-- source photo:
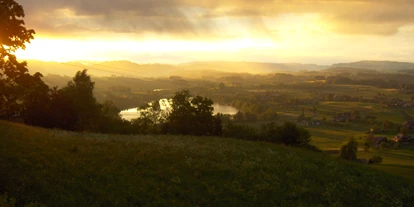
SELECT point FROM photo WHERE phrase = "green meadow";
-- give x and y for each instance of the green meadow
(330, 137)
(60, 168)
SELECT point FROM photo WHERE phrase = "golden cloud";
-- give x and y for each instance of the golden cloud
(211, 18)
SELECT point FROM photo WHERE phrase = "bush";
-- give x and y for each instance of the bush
(349, 150)
(375, 160)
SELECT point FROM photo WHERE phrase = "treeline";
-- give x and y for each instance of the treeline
(74, 108)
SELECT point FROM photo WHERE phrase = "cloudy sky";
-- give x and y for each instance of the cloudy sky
(176, 31)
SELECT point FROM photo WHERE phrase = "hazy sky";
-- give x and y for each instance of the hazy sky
(175, 31)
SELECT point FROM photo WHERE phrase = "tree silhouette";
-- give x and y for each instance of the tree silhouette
(16, 84)
(80, 92)
(192, 115)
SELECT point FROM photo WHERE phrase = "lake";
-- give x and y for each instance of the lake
(133, 113)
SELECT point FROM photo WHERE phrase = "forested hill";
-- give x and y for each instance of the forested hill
(60, 168)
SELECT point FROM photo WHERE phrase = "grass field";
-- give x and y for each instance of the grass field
(59, 168)
(331, 137)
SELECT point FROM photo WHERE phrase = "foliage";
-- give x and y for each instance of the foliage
(287, 134)
(292, 134)
(240, 131)
(375, 160)
(349, 150)
(150, 119)
(110, 120)
(18, 89)
(60, 168)
(191, 115)
(270, 132)
(80, 92)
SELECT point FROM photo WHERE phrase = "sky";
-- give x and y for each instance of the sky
(179, 31)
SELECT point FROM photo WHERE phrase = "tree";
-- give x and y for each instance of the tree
(291, 134)
(191, 115)
(16, 84)
(150, 119)
(270, 132)
(80, 93)
(37, 103)
(239, 116)
(222, 86)
(110, 120)
(218, 124)
(349, 150)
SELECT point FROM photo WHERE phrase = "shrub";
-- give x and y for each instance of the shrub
(375, 160)
(349, 150)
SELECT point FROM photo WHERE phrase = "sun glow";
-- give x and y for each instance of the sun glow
(63, 50)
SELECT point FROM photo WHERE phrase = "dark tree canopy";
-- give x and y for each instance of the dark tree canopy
(16, 84)
(13, 33)
(192, 115)
(80, 93)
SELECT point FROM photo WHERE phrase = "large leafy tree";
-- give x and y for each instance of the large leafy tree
(80, 93)
(16, 84)
(192, 115)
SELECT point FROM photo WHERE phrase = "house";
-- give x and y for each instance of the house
(409, 125)
(342, 117)
(404, 139)
(379, 140)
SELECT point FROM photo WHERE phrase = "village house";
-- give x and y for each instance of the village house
(409, 125)
(404, 139)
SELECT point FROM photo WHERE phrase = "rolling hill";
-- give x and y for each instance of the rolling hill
(205, 69)
(59, 168)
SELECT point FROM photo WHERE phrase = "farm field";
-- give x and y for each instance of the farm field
(330, 137)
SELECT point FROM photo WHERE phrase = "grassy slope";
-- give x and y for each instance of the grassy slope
(60, 168)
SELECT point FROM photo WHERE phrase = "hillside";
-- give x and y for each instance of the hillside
(193, 69)
(386, 66)
(59, 168)
(200, 69)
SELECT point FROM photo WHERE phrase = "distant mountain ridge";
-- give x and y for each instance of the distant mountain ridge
(201, 69)
(377, 65)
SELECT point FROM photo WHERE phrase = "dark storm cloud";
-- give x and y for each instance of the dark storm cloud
(196, 18)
